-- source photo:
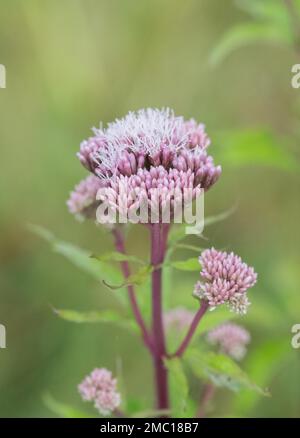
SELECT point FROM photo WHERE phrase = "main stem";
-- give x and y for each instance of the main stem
(119, 243)
(158, 247)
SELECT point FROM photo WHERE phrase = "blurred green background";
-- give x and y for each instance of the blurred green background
(72, 63)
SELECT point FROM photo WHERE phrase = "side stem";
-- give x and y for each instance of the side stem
(119, 244)
(197, 318)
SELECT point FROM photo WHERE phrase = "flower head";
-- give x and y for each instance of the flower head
(178, 318)
(148, 137)
(151, 149)
(101, 388)
(231, 338)
(225, 278)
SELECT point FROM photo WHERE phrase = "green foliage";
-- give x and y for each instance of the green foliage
(115, 256)
(151, 413)
(105, 316)
(81, 258)
(263, 363)
(259, 147)
(271, 24)
(191, 264)
(178, 232)
(137, 278)
(61, 409)
(178, 386)
(221, 370)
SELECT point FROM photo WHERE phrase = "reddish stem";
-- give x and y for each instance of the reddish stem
(194, 324)
(158, 247)
(119, 244)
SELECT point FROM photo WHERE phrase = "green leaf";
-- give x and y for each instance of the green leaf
(274, 11)
(82, 259)
(248, 33)
(178, 384)
(221, 370)
(178, 232)
(211, 220)
(79, 257)
(41, 232)
(138, 278)
(195, 248)
(61, 409)
(115, 256)
(263, 364)
(107, 316)
(191, 264)
(257, 147)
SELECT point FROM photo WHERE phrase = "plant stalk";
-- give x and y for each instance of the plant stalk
(194, 324)
(158, 249)
(120, 246)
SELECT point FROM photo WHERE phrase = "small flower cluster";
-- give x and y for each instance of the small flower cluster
(231, 338)
(150, 149)
(178, 319)
(82, 202)
(101, 388)
(225, 278)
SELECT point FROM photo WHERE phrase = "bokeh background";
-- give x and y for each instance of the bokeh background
(72, 63)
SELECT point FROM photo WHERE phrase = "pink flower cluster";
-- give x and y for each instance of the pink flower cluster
(225, 279)
(101, 388)
(82, 202)
(155, 193)
(178, 319)
(148, 149)
(231, 338)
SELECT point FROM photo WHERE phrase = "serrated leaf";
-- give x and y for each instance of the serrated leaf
(63, 410)
(191, 264)
(107, 316)
(179, 385)
(221, 370)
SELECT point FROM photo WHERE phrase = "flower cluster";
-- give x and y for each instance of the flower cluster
(231, 338)
(101, 388)
(178, 319)
(82, 202)
(225, 279)
(151, 149)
